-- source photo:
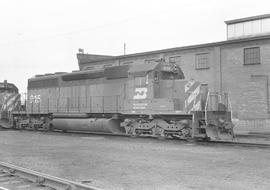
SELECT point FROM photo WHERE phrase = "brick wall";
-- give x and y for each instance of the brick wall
(248, 85)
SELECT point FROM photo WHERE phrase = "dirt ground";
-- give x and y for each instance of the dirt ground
(135, 163)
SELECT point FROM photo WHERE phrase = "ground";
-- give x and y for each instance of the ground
(137, 163)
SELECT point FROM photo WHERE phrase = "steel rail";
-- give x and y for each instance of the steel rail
(228, 143)
(255, 135)
(232, 143)
(43, 179)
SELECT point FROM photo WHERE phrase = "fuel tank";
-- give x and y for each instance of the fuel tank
(111, 126)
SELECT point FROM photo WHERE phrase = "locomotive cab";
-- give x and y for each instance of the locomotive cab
(151, 88)
(155, 104)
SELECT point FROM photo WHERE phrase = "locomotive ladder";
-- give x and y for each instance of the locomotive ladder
(14, 177)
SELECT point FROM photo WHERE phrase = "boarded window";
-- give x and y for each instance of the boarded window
(252, 56)
(202, 61)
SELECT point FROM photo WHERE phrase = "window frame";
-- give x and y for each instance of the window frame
(197, 61)
(258, 56)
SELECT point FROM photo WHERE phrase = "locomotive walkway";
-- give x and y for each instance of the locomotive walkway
(13, 177)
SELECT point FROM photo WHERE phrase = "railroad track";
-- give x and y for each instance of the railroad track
(226, 143)
(242, 144)
(254, 135)
(14, 177)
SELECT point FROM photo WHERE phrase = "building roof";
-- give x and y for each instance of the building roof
(247, 19)
(91, 57)
(220, 43)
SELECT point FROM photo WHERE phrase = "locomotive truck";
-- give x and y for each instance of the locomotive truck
(151, 99)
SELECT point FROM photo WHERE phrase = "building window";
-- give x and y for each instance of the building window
(252, 56)
(175, 59)
(202, 61)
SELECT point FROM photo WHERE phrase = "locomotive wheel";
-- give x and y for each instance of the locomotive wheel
(21, 126)
(16, 125)
(161, 133)
(30, 126)
(186, 132)
(46, 127)
(134, 133)
(154, 131)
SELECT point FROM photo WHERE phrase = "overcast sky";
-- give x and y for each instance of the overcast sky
(39, 37)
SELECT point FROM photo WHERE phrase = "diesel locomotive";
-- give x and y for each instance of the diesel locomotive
(9, 101)
(151, 99)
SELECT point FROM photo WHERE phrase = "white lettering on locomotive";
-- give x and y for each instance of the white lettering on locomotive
(140, 106)
(140, 93)
(35, 99)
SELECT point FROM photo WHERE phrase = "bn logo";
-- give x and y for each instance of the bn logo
(140, 93)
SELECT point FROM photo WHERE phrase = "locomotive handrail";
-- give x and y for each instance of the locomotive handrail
(74, 104)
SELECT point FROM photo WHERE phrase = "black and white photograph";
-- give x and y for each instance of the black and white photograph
(134, 95)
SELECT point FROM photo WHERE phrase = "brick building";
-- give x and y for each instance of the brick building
(240, 66)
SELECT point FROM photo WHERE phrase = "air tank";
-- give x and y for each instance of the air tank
(95, 125)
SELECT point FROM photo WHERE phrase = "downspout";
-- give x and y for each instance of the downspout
(220, 71)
